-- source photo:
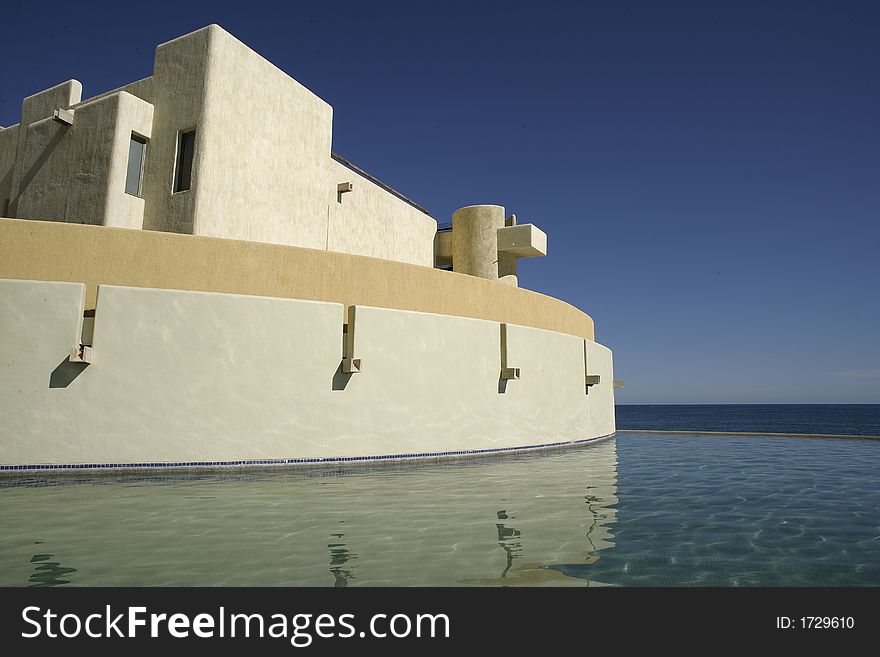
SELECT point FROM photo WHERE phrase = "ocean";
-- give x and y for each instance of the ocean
(847, 419)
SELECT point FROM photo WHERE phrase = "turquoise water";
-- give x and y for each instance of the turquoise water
(640, 509)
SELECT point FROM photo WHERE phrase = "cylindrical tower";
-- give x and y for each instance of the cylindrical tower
(475, 240)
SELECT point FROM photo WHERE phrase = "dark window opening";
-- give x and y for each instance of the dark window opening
(183, 169)
(134, 175)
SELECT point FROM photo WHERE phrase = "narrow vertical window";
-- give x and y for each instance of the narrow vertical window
(183, 167)
(134, 175)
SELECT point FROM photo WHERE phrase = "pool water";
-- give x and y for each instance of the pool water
(638, 509)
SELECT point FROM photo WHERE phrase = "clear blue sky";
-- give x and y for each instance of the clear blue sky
(708, 173)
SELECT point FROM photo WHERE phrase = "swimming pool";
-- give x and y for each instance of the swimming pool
(638, 509)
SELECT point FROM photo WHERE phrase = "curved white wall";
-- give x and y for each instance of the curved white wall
(181, 377)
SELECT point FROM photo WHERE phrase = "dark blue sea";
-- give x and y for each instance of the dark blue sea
(849, 419)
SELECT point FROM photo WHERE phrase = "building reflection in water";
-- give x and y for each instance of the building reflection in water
(517, 520)
(561, 517)
(507, 540)
(339, 557)
(47, 572)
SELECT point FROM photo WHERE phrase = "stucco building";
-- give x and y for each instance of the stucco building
(220, 142)
(190, 278)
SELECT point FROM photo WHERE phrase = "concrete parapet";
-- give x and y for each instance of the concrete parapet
(42, 250)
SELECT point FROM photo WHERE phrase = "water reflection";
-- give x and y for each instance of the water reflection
(48, 573)
(339, 556)
(498, 521)
(507, 540)
(559, 512)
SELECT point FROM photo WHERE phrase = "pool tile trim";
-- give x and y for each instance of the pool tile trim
(292, 461)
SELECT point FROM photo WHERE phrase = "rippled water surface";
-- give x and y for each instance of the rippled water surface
(636, 510)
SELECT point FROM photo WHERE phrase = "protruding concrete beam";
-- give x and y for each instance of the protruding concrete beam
(484, 243)
(617, 384)
(81, 354)
(350, 364)
(343, 188)
(590, 380)
(508, 373)
(63, 116)
(523, 241)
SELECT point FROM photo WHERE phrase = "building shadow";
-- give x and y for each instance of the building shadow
(41, 159)
(63, 375)
(340, 379)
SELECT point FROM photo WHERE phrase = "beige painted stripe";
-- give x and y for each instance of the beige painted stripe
(51, 251)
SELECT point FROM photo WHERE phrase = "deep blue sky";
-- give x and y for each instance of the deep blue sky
(708, 173)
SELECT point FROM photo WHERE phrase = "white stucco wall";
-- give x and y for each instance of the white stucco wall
(143, 89)
(599, 361)
(8, 146)
(178, 98)
(77, 173)
(196, 376)
(261, 169)
(62, 177)
(103, 131)
(42, 175)
(552, 383)
(265, 173)
(373, 222)
(35, 108)
(265, 148)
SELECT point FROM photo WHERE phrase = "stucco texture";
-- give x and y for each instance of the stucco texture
(98, 255)
(261, 168)
(182, 376)
(370, 221)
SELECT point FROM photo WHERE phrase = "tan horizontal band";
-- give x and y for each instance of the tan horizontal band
(94, 255)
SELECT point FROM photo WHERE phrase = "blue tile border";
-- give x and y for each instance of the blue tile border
(293, 461)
